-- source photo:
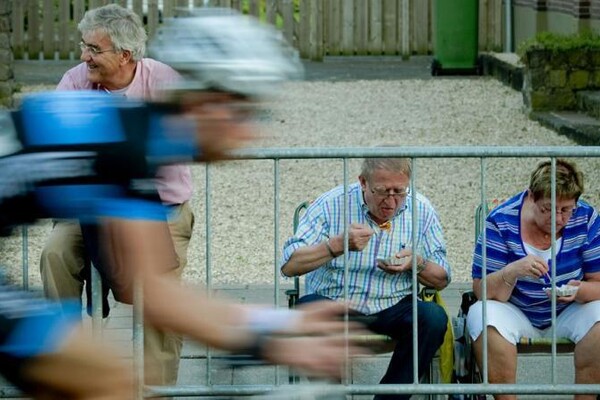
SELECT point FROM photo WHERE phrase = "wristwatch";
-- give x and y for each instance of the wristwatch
(421, 265)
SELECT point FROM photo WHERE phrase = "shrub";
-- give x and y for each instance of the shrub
(555, 42)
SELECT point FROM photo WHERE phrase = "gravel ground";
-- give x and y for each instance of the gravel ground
(451, 111)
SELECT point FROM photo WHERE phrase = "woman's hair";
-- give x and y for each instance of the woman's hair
(123, 26)
(369, 165)
(569, 180)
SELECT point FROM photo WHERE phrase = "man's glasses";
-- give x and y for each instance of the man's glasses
(547, 208)
(396, 193)
(93, 50)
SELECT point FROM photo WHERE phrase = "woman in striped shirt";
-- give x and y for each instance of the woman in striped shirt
(519, 274)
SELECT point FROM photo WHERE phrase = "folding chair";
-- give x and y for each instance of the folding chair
(294, 294)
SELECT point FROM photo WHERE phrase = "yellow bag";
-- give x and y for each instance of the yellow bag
(447, 347)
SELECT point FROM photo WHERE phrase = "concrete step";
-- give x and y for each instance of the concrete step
(580, 127)
(506, 67)
(367, 370)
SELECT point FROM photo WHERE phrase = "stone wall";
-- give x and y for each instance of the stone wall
(6, 55)
(553, 78)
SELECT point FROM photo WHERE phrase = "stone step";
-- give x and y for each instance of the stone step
(580, 127)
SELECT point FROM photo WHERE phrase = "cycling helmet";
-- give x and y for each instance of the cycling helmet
(221, 49)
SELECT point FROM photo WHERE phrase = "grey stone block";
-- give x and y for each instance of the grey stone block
(5, 24)
(263, 375)
(4, 40)
(193, 372)
(6, 72)
(536, 368)
(6, 57)
(369, 370)
(6, 88)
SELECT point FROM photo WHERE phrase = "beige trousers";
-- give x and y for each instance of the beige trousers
(61, 266)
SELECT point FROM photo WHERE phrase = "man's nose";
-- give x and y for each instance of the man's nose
(391, 200)
(85, 55)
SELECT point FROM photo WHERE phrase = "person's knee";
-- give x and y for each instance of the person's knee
(61, 269)
(434, 317)
(56, 259)
(50, 252)
(61, 255)
(580, 321)
(586, 350)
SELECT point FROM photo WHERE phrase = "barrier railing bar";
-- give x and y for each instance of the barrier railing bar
(208, 232)
(419, 152)
(347, 365)
(138, 338)
(484, 338)
(25, 256)
(415, 315)
(445, 388)
(276, 273)
(96, 302)
(553, 272)
(276, 256)
(252, 390)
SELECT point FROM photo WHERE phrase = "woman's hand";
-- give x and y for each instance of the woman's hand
(531, 266)
(566, 299)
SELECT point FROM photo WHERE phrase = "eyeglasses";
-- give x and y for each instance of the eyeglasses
(396, 193)
(93, 50)
(547, 208)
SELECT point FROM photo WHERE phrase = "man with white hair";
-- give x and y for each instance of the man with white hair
(113, 43)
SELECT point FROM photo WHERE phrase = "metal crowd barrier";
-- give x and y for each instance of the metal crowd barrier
(414, 153)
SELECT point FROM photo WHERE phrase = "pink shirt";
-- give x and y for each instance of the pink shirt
(174, 182)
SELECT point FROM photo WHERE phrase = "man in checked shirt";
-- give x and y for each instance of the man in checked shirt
(379, 259)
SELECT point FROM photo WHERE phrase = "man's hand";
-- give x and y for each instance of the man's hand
(358, 237)
(405, 258)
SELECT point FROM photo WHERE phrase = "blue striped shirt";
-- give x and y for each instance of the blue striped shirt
(370, 289)
(578, 254)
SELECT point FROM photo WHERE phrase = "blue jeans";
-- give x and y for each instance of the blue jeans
(396, 322)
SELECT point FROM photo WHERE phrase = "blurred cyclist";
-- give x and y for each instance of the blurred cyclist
(92, 156)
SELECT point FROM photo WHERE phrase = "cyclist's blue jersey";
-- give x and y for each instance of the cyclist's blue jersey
(81, 155)
(84, 155)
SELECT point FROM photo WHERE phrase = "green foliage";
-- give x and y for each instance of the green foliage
(585, 40)
(263, 11)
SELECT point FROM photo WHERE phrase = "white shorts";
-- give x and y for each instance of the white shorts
(573, 323)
